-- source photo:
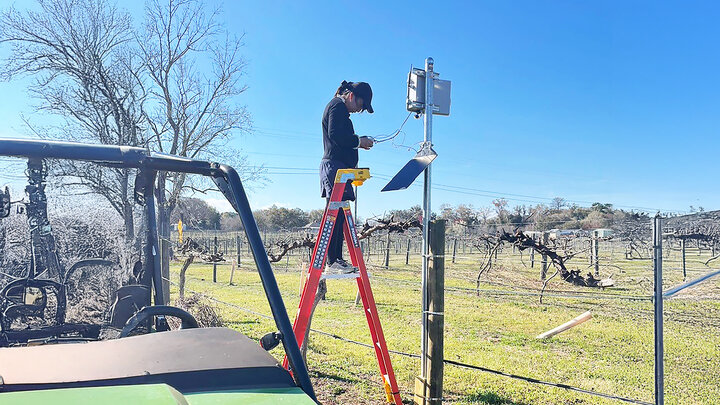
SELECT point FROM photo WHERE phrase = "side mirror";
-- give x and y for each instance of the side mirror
(5, 203)
(270, 340)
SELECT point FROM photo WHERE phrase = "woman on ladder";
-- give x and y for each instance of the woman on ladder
(341, 152)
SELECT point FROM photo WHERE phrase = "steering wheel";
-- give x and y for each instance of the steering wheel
(186, 319)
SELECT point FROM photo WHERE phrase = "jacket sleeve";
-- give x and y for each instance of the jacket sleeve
(340, 128)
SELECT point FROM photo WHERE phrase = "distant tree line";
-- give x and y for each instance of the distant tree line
(461, 218)
(558, 214)
(196, 213)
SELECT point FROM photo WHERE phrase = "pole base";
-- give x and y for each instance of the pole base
(422, 388)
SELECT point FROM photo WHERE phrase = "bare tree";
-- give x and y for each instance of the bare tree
(501, 205)
(195, 113)
(484, 214)
(80, 55)
(558, 203)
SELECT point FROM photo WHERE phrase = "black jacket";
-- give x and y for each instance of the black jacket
(339, 139)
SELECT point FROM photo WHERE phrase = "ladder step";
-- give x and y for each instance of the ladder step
(341, 276)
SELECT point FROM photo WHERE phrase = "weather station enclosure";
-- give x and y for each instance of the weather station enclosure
(416, 93)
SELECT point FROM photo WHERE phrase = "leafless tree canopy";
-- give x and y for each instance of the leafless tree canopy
(191, 110)
(171, 85)
(557, 253)
(80, 55)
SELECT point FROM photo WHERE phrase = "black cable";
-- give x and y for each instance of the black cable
(536, 381)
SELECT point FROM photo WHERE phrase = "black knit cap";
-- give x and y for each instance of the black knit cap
(362, 90)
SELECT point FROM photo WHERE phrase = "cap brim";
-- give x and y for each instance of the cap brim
(370, 109)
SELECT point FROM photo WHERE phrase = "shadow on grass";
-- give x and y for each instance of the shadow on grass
(334, 377)
(491, 398)
(242, 322)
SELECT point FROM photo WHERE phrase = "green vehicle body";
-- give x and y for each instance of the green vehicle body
(155, 394)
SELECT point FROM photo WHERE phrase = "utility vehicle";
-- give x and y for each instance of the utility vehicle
(47, 358)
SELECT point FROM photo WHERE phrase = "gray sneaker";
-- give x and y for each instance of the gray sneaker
(340, 266)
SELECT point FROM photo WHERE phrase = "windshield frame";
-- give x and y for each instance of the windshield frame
(228, 182)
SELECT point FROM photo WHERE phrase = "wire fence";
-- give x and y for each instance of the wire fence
(515, 276)
(417, 356)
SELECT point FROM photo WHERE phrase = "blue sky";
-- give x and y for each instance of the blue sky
(613, 101)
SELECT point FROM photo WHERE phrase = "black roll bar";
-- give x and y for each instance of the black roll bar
(230, 185)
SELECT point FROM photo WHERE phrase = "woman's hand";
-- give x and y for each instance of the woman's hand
(366, 142)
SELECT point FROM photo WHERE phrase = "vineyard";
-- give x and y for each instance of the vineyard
(496, 305)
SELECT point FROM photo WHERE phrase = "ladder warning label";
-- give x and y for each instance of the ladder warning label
(323, 243)
(353, 234)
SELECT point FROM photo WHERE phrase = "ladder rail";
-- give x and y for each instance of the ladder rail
(370, 308)
(333, 210)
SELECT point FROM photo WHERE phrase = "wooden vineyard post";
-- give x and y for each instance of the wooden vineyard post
(532, 255)
(232, 272)
(544, 262)
(215, 250)
(238, 247)
(407, 253)
(454, 249)
(430, 390)
(682, 248)
(387, 251)
(596, 254)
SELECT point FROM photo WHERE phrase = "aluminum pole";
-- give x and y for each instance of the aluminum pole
(658, 301)
(429, 85)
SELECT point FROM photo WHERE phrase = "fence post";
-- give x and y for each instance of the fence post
(532, 255)
(407, 253)
(238, 247)
(454, 249)
(430, 390)
(658, 301)
(544, 262)
(682, 248)
(596, 254)
(215, 250)
(387, 250)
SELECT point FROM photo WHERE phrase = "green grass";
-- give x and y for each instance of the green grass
(612, 353)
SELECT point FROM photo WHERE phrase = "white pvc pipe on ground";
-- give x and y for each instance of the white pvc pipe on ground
(567, 325)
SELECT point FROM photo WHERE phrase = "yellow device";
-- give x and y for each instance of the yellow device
(358, 176)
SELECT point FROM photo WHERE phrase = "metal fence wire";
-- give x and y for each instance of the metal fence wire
(637, 265)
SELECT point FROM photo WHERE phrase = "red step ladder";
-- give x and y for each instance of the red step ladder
(338, 207)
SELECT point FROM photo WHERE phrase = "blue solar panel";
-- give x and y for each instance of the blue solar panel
(405, 177)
